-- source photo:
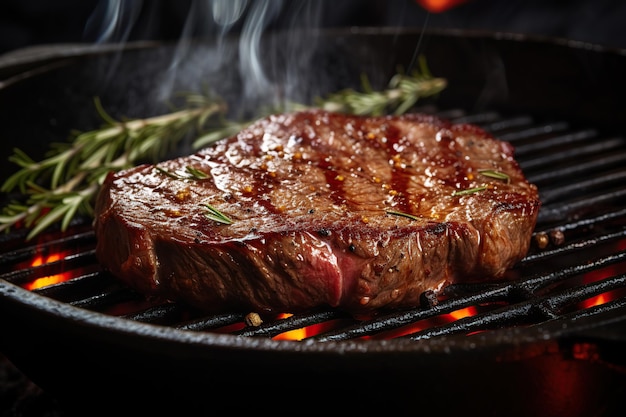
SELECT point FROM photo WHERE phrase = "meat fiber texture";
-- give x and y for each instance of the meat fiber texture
(357, 213)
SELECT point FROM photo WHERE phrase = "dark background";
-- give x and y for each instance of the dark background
(35, 22)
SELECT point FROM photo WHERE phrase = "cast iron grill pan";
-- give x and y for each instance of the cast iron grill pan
(554, 330)
(579, 172)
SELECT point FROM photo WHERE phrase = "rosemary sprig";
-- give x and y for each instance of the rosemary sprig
(468, 191)
(402, 92)
(65, 183)
(74, 171)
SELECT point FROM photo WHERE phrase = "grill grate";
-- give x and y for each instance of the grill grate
(580, 174)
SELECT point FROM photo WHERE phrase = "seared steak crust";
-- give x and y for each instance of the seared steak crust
(319, 204)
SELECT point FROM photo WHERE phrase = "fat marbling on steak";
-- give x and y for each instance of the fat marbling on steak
(358, 213)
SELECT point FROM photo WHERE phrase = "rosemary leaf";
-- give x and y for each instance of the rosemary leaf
(14, 214)
(468, 191)
(190, 173)
(402, 214)
(495, 174)
(196, 173)
(51, 217)
(168, 173)
(216, 215)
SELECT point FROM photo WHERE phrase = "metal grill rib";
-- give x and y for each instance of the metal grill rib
(526, 313)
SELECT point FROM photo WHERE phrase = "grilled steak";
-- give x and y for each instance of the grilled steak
(358, 213)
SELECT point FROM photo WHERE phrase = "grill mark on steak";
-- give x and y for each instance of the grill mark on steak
(312, 195)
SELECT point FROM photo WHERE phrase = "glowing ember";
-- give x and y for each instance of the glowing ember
(297, 334)
(309, 331)
(428, 323)
(438, 6)
(601, 298)
(40, 260)
(464, 312)
(304, 332)
(601, 274)
(585, 351)
(596, 301)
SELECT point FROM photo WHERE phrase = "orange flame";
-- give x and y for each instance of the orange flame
(438, 6)
(596, 301)
(600, 298)
(427, 323)
(297, 334)
(304, 332)
(47, 280)
(604, 274)
(464, 312)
